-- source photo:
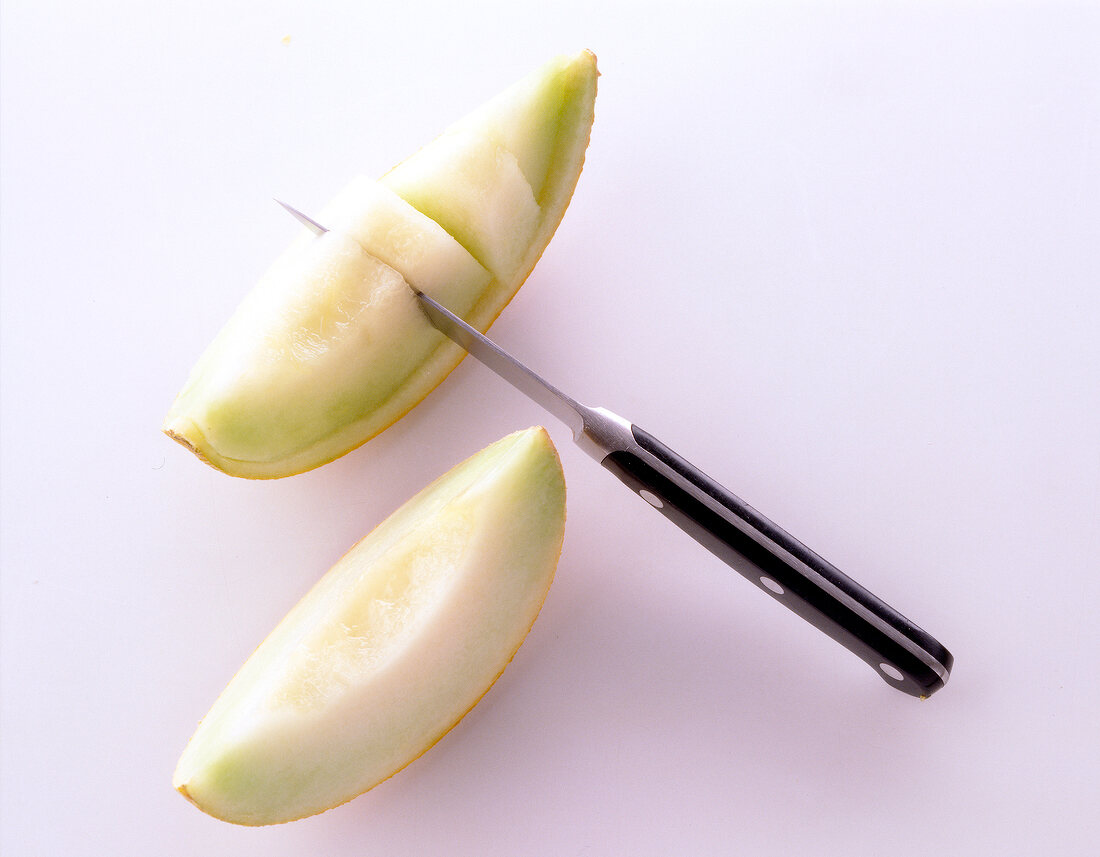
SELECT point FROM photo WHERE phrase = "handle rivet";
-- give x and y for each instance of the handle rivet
(772, 585)
(651, 498)
(891, 671)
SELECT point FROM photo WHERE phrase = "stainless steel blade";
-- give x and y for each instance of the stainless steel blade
(565, 408)
(307, 221)
(532, 385)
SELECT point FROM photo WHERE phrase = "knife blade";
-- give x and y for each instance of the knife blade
(900, 652)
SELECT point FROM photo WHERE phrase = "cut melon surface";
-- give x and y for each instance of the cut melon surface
(536, 118)
(392, 646)
(253, 398)
(473, 187)
(330, 348)
(320, 346)
(528, 144)
(316, 356)
(389, 228)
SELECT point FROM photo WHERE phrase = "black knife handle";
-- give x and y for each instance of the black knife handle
(905, 656)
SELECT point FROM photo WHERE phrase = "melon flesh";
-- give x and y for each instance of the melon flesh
(537, 130)
(326, 311)
(474, 188)
(326, 352)
(330, 345)
(392, 646)
(387, 227)
(533, 119)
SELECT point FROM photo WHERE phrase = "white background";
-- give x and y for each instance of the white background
(845, 258)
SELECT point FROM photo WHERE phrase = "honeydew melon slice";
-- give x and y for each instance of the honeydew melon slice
(387, 227)
(474, 188)
(328, 348)
(392, 646)
(500, 179)
(327, 352)
(537, 119)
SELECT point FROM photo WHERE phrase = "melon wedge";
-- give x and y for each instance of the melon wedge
(391, 647)
(500, 179)
(387, 227)
(323, 351)
(534, 117)
(326, 352)
(474, 188)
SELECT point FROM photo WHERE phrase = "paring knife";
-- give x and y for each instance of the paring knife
(906, 656)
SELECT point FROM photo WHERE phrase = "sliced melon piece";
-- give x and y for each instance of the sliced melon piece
(330, 346)
(391, 648)
(387, 227)
(535, 118)
(314, 358)
(474, 188)
(327, 352)
(499, 180)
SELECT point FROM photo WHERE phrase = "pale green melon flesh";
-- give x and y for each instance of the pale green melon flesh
(536, 130)
(330, 345)
(535, 116)
(387, 227)
(324, 341)
(391, 648)
(267, 403)
(474, 188)
(563, 141)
